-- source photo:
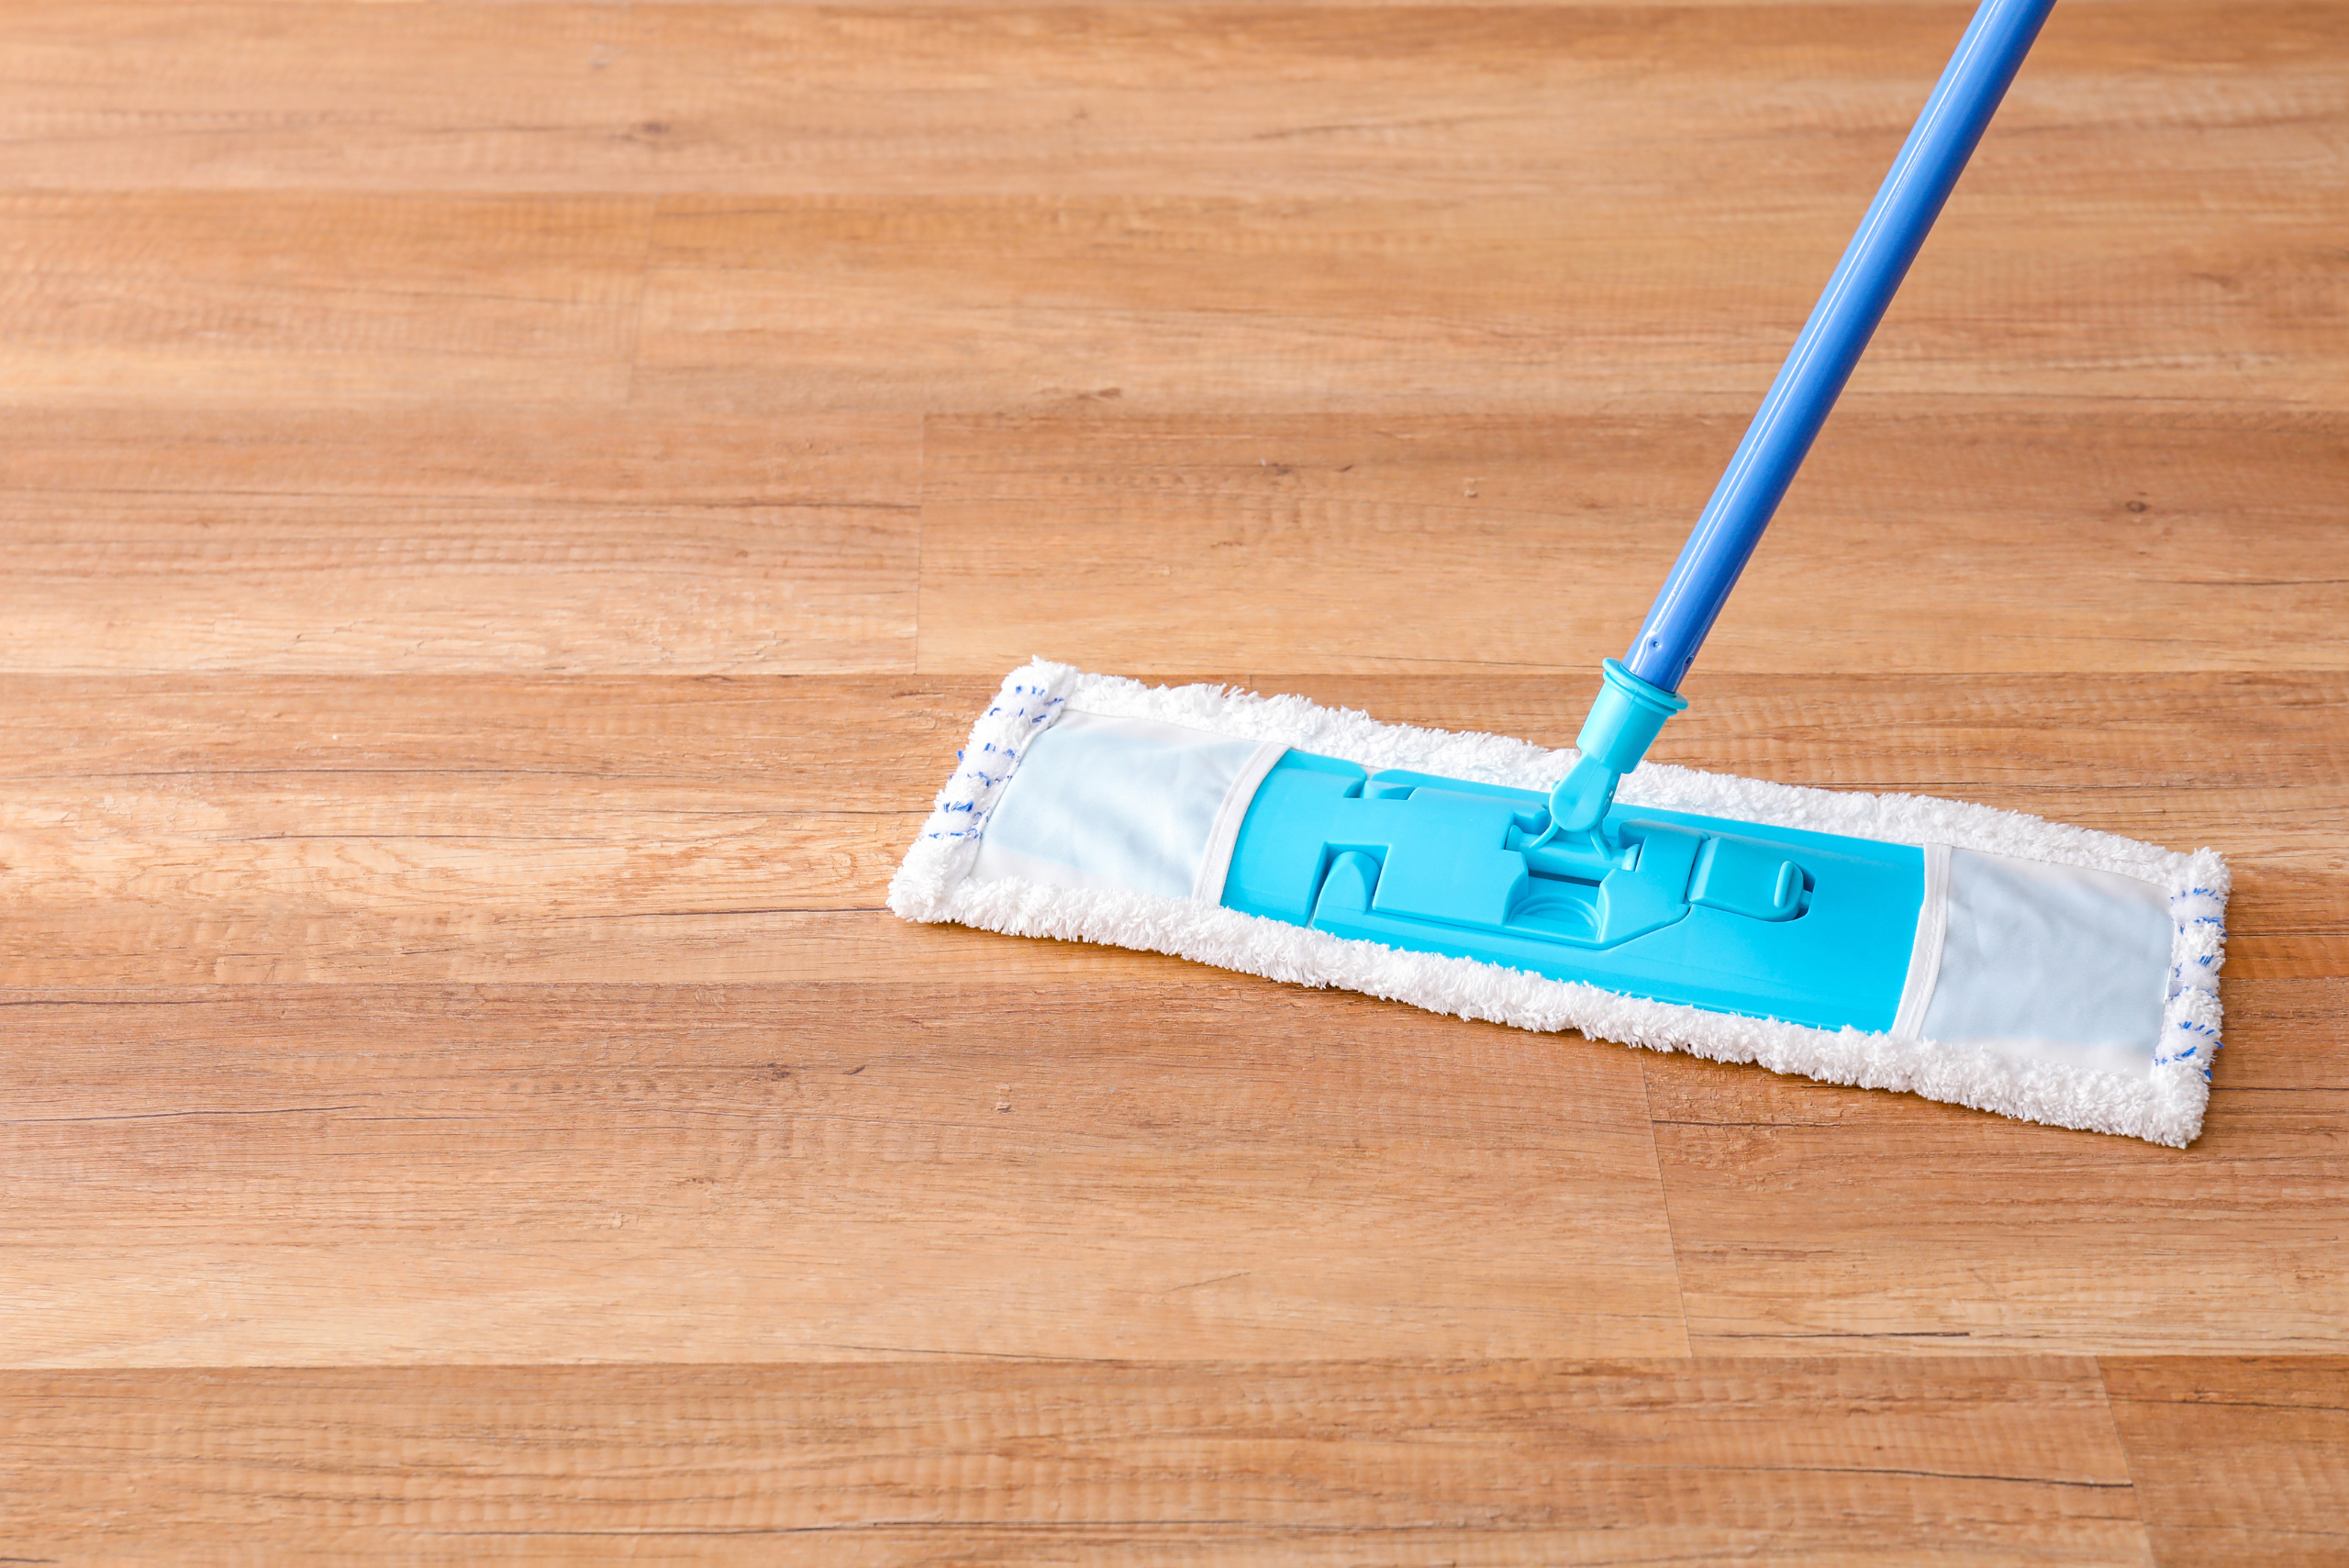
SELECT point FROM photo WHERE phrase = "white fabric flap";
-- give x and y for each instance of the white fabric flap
(2051, 962)
(1124, 803)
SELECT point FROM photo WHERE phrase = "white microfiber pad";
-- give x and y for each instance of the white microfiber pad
(2059, 975)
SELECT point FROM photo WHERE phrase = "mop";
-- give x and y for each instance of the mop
(1966, 954)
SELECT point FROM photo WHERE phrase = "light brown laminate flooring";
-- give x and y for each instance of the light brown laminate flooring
(509, 511)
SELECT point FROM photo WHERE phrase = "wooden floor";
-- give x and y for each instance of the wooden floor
(509, 509)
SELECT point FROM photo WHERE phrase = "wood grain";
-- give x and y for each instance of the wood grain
(572, 451)
(1799, 1231)
(1958, 1462)
(2234, 100)
(201, 297)
(415, 540)
(1333, 544)
(345, 1176)
(2240, 1461)
(193, 830)
(424, 539)
(1413, 306)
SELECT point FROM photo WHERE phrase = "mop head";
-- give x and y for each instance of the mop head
(2056, 974)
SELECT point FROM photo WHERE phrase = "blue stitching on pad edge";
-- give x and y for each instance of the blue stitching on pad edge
(2191, 1052)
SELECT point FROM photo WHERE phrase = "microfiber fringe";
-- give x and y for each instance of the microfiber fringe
(2166, 1107)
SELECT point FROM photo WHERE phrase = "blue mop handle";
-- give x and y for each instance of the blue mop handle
(1638, 693)
(1842, 322)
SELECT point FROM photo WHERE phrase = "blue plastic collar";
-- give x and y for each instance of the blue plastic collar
(1622, 724)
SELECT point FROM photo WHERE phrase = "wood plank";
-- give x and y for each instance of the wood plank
(327, 1175)
(186, 829)
(571, 450)
(192, 829)
(2129, 100)
(439, 538)
(2287, 955)
(195, 829)
(1808, 1218)
(1322, 543)
(2241, 1463)
(857, 742)
(1421, 306)
(195, 297)
(1976, 1461)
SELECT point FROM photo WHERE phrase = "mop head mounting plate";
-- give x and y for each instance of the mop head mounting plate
(1963, 954)
(1731, 917)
